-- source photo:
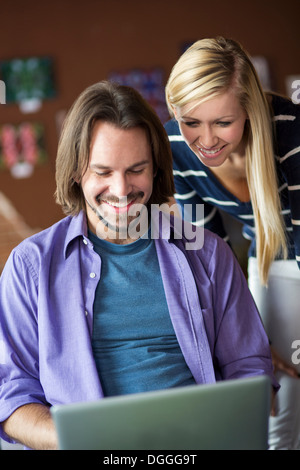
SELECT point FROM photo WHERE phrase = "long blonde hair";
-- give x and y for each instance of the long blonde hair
(207, 69)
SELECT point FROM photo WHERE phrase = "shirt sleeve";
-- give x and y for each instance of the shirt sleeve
(288, 157)
(19, 363)
(290, 164)
(241, 346)
(294, 199)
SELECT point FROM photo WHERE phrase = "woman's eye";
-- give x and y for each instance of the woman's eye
(224, 123)
(191, 124)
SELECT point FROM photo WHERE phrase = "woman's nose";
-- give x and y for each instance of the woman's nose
(207, 139)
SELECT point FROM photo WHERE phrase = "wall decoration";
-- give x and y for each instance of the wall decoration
(28, 81)
(149, 83)
(21, 148)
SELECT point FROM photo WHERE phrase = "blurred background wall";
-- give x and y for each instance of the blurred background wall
(88, 40)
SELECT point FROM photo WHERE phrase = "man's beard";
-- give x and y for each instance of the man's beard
(120, 224)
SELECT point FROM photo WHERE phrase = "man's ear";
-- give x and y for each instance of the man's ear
(76, 179)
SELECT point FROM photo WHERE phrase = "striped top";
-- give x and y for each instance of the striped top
(196, 185)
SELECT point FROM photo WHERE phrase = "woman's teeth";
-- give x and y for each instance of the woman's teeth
(209, 152)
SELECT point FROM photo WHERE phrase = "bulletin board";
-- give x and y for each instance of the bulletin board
(28, 81)
(149, 83)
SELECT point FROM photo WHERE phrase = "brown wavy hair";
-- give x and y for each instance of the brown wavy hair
(125, 108)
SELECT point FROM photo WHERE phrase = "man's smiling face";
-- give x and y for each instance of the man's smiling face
(119, 175)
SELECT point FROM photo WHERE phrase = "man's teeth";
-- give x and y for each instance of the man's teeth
(117, 204)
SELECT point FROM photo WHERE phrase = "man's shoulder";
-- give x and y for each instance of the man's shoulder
(61, 226)
(196, 240)
(44, 241)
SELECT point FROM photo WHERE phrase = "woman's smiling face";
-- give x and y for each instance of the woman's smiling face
(214, 129)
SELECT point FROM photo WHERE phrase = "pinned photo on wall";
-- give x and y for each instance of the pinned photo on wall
(149, 83)
(22, 148)
(29, 81)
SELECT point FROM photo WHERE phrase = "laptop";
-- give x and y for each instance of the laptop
(230, 414)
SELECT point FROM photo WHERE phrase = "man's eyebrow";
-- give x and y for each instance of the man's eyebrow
(98, 166)
(141, 163)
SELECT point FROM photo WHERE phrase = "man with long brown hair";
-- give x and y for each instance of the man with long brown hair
(118, 297)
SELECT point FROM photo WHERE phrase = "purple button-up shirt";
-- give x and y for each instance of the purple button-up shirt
(47, 291)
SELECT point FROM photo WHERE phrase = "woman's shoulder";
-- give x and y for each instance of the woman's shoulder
(286, 131)
(172, 127)
(283, 106)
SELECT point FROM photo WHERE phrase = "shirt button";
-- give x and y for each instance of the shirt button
(86, 313)
(85, 241)
(92, 275)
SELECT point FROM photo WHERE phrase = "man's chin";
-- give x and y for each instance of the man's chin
(122, 229)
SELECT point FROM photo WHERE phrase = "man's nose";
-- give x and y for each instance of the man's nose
(120, 186)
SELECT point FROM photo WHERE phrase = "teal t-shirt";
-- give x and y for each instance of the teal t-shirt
(134, 342)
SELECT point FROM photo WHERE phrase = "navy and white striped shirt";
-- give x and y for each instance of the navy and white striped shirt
(196, 184)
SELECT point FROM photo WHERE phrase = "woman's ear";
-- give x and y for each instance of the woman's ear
(174, 110)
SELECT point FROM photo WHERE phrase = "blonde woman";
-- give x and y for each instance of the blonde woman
(237, 148)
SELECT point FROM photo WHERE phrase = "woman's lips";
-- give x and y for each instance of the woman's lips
(210, 153)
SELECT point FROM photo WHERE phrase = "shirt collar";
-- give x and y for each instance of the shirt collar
(162, 224)
(77, 228)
